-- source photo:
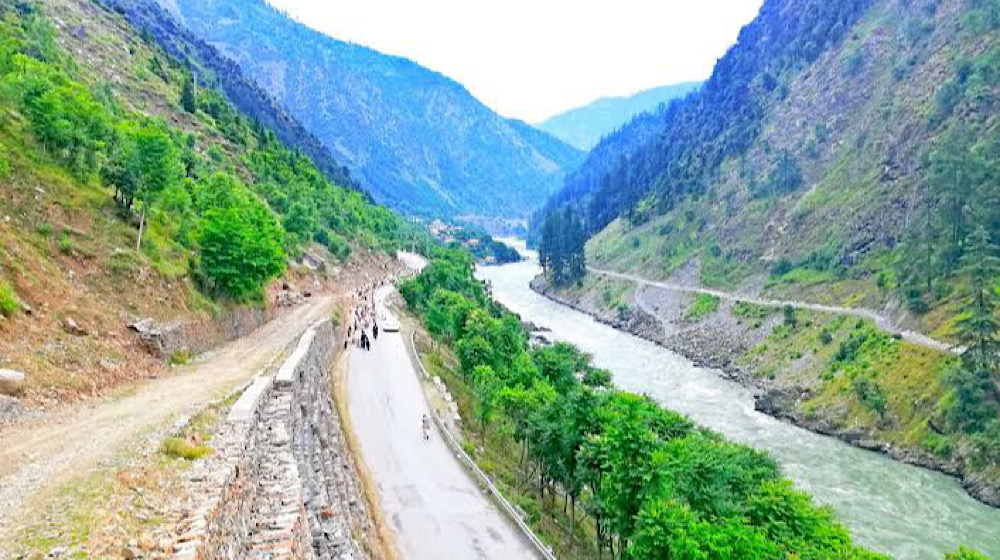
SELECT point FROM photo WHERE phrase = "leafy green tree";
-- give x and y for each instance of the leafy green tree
(241, 249)
(488, 389)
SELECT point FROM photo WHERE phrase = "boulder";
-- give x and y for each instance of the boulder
(11, 382)
(72, 327)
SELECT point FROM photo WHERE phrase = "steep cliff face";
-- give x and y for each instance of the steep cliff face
(418, 140)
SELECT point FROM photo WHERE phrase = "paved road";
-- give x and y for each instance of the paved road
(36, 460)
(881, 321)
(431, 504)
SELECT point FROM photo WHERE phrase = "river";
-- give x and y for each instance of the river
(891, 507)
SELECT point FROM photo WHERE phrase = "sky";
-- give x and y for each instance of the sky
(531, 59)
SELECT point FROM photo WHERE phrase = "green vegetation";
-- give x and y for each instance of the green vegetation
(180, 448)
(647, 482)
(702, 306)
(561, 251)
(228, 219)
(8, 299)
(180, 357)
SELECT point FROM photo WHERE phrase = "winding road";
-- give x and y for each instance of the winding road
(881, 321)
(431, 504)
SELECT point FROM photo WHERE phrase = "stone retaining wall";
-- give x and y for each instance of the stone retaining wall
(280, 483)
(196, 337)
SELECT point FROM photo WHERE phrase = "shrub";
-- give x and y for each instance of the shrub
(8, 299)
(702, 306)
(870, 395)
(791, 319)
(65, 245)
(825, 337)
(180, 448)
(180, 357)
(781, 267)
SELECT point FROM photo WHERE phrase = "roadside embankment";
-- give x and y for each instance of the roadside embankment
(280, 483)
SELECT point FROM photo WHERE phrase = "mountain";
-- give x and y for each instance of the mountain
(417, 140)
(128, 193)
(843, 153)
(212, 69)
(584, 127)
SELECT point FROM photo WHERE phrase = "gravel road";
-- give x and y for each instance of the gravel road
(432, 506)
(36, 460)
(881, 321)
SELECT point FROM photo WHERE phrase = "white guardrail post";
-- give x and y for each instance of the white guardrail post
(506, 506)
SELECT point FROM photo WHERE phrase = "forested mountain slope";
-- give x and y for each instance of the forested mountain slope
(841, 152)
(584, 127)
(128, 193)
(212, 69)
(417, 140)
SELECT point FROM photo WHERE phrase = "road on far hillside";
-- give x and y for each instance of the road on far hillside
(432, 506)
(881, 321)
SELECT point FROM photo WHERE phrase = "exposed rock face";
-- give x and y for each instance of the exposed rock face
(195, 337)
(281, 483)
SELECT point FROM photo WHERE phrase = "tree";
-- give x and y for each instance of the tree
(188, 96)
(241, 248)
(488, 389)
(978, 332)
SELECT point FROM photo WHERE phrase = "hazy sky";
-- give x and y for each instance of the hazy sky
(531, 59)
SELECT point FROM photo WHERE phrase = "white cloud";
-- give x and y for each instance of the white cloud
(534, 58)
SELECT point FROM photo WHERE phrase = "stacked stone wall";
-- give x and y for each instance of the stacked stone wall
(280, 483)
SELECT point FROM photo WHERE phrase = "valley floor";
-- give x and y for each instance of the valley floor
(797, 370)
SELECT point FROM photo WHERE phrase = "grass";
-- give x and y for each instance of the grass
(701, 306)
(181, 448)
(180, 357)
(191, 443)
(8, 299)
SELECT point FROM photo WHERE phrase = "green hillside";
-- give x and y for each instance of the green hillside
(846, 158)
(127, 192)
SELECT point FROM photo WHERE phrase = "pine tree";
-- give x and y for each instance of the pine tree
(188, 99)
(978, 331)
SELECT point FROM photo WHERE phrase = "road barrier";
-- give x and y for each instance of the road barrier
(505, 506)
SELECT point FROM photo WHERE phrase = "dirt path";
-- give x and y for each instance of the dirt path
(434, 509)
(36, 460)
(881, 321)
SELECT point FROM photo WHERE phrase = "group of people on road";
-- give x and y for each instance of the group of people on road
(365, 317)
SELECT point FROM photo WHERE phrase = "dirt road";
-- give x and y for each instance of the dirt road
(881, 321)
(431, 504)
(35, 461)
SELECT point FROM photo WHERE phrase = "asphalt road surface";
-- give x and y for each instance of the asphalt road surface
(432, 506)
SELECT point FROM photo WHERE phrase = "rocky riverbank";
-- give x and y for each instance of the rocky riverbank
(725, 340)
